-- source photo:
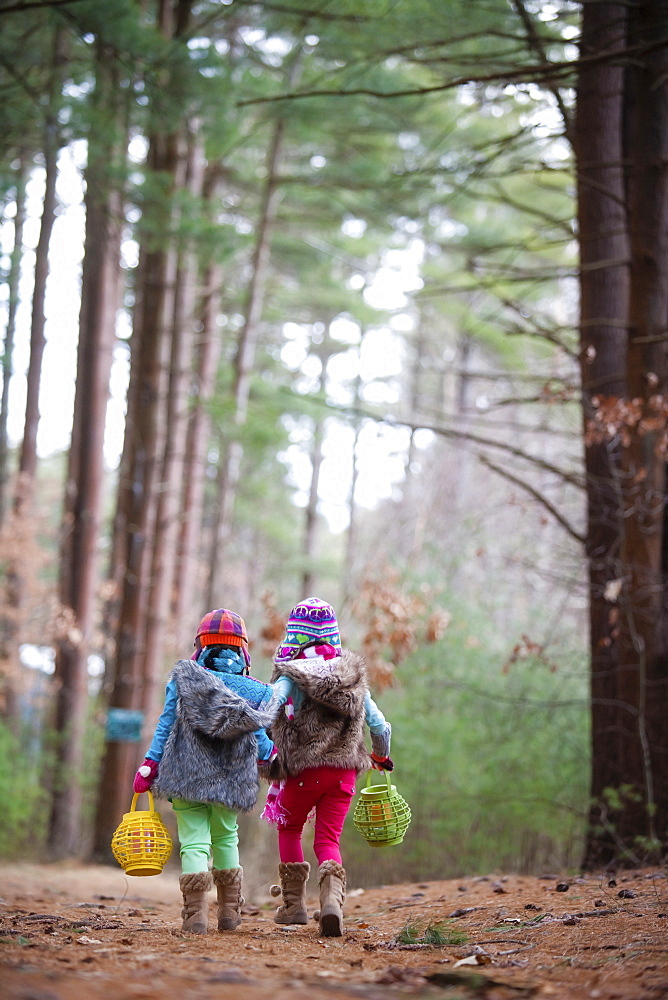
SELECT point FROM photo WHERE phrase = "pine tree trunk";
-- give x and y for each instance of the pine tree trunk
(18, 569)
(136, 511)
(8, 664)
(642, 826)
(230, 468)
(28, 458)
(621, 144)
(20, 175)
(82, 517)
(160, 633)
(207, 355)
(311, 519)
(603, 310)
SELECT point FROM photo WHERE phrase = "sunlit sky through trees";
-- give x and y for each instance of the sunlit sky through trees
(381, 447)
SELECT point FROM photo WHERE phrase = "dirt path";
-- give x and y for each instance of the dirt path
(80, 933)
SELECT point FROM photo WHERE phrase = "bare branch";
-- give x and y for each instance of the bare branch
(28, 5)
(549, 74)
(459, 436)
(536, 494)
(536, 43)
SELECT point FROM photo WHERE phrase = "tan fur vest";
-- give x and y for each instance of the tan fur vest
(328, 727)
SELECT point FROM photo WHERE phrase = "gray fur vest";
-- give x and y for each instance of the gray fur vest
(328, 727)
(211, 753)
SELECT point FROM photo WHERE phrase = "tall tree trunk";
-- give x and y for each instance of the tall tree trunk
(8, 665)
(311, 519)
(642, 825)
(20, 175)
(324, 352)
(136, 499)
(350, 563)
(79, 558)
(28, 457)
(17, 570)
(160, 635)
(207, 355)
(230, 468)
(621, 144)
(604, 284)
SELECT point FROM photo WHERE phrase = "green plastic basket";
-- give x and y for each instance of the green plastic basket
(381, 814)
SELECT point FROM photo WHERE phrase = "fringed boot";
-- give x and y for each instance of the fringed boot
(332, 882)
(228, 888)
(293, 876)
(195, 887)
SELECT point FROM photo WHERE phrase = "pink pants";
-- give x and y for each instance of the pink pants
(330, 790)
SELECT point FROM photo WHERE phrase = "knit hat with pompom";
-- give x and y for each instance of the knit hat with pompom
(312, 620)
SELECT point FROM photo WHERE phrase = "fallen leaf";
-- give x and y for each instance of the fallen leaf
(473, 960)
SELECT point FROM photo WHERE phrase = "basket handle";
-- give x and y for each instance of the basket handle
(387, 778)
(150, 801)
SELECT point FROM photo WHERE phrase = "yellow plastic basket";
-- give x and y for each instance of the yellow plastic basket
(141, 843)
(381, 814)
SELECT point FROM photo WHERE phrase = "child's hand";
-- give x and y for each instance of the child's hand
(268, 760)
(145, 776)
(382, 763)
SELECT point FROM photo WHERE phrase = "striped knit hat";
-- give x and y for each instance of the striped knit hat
(222, 628)
(312, 620)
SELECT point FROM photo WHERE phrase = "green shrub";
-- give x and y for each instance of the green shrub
(492, 757)
(23, 817)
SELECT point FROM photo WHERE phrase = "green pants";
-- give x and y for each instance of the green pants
(206, 829)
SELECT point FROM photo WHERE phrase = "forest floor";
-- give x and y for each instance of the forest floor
(78, 933)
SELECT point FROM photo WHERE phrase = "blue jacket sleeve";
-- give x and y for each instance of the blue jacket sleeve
(280, 692)
(165, 722)
(375, 719)
(282, 689)
(264, 744)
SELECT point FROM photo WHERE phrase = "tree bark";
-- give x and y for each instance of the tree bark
(8, 347)
(82, 516)
(230, 468)
(621, 153)
(207, 355)
(8, 665)
(642, 825)
(160, 633)
(136, 498)
(16, 574)
(604, 284)
(309, 546)
(28, 457)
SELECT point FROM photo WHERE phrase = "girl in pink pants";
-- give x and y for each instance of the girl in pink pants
(328, 790)
(321, 748)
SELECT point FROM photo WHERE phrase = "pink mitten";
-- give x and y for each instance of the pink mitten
(146, 775)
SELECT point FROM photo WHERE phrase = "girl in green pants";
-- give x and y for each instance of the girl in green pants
(203, 756)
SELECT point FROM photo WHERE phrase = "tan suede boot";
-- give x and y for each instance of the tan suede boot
(228, 888)
(332, 882)
(195, 887)
(293, 876)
